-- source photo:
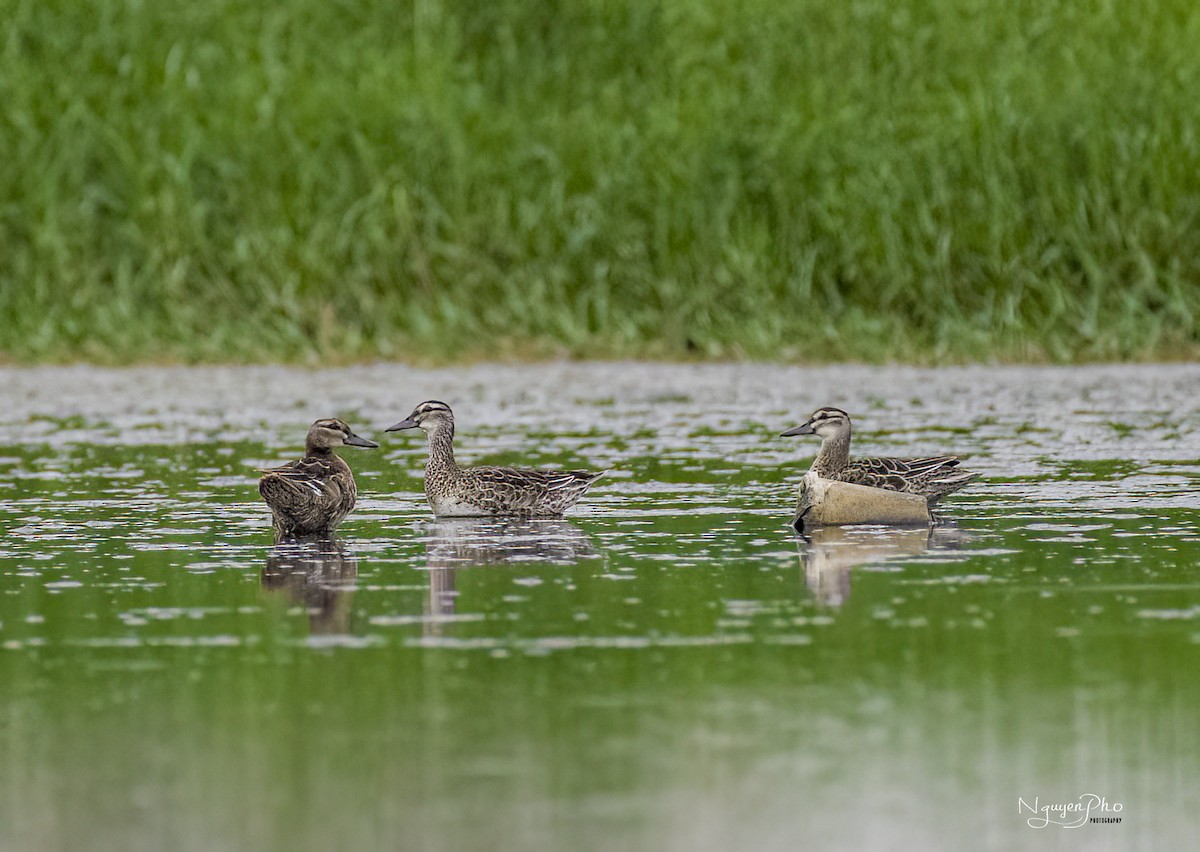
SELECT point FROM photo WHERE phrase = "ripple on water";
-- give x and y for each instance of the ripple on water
(676, 598)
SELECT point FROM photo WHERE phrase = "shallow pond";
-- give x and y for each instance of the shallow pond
(670, 667)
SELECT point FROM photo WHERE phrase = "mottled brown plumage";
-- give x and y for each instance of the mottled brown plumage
(932, 477)
(455, 491)
(311, 496)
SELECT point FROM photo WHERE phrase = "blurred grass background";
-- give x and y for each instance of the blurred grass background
(928, 180)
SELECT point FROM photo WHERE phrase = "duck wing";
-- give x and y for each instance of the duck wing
(526, 477)
(927, 476)
(528, 490)
(301, 478)
(308, 495)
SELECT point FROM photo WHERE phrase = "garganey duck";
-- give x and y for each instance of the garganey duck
(466, 492)
(310, 496)
(931, 478)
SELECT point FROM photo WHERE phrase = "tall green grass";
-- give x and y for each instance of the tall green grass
(315, 180)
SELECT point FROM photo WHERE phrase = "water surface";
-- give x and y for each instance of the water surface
(670, 667)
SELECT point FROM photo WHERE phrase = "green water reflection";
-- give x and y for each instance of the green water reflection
(671, 669)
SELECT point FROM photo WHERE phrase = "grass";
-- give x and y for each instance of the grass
(930, 180)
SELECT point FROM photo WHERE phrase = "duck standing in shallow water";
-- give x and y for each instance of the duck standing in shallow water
(931, 478)
(467, 492)
(310, 496)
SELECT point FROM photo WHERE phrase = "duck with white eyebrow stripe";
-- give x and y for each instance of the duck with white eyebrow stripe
(932, 477)
(470, 492)
(311, 496)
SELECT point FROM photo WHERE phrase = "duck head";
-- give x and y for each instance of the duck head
(327, 434)
(825, 422)
(428, 416)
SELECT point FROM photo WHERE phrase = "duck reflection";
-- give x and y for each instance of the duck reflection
(318, 573)
(453, 543)
(828, 554)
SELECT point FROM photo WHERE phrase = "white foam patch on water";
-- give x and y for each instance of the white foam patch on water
(1171, 614)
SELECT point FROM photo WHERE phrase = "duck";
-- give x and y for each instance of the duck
(309, 497)
(932, 477)
(487, 491)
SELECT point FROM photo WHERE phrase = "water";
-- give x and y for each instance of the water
(671, 667)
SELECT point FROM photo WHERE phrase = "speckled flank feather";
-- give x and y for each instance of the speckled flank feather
(931, 477)
(311, 496)
(455, 491)
(506, 490)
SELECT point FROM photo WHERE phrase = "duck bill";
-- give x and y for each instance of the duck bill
(803, 429)
(406, 423)
(353, 440)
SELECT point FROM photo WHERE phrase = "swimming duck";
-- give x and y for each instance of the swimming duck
(932, 477)
(310, 496)
(455, 491)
